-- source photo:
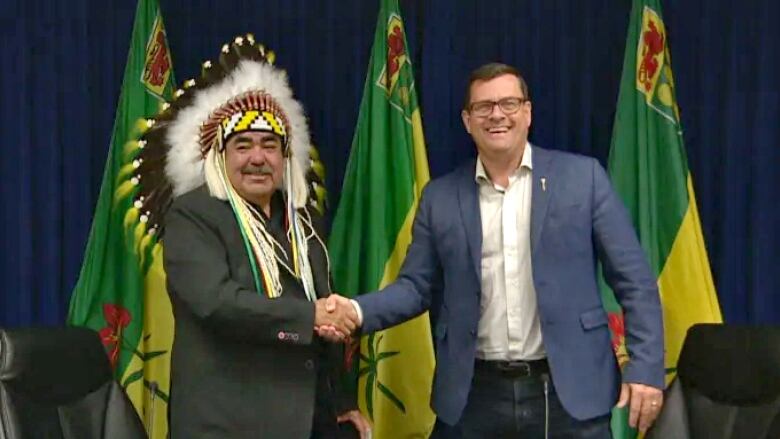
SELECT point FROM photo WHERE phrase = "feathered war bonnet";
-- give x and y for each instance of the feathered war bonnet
(244, 91)
(181, 147)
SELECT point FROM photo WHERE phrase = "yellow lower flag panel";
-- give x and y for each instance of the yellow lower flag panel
(687, 291)
(149, 388)
(395, 388)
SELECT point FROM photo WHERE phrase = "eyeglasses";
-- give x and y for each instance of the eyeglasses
(508, 106)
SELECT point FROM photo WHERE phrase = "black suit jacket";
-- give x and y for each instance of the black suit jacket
(242, 365)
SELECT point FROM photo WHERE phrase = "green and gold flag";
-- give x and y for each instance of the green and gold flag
(649, 169)
(121, 289)
(385, 175)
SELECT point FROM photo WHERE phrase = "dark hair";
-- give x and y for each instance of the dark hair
(491, 71)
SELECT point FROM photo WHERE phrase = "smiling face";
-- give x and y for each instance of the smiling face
(498, 133)
(255, 165)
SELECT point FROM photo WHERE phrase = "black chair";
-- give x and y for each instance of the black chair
(727, 386)
(57, 383)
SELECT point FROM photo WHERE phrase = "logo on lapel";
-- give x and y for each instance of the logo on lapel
(292, 337)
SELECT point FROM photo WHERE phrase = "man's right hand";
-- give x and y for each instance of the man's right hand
(335, 318)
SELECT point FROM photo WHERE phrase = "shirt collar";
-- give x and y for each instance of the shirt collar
(526, 162)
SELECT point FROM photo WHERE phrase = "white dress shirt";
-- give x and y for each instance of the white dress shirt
(509, 327)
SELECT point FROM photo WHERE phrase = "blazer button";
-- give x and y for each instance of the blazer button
(473, 332)
(309, 364)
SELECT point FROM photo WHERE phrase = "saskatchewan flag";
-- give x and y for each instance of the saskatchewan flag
(385, 175)
(649, 169)
(121, 289)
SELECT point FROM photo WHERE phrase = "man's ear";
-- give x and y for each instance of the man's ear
(466, 117)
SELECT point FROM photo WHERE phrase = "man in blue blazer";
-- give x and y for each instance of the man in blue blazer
(504, 255)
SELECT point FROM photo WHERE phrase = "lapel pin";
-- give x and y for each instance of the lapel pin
(544, 185)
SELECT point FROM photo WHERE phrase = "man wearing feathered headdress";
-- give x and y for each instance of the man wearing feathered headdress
(247, 268)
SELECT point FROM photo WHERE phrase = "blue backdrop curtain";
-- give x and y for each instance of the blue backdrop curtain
(63, 63)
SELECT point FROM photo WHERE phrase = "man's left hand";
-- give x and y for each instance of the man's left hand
(645, 404)
(359, 421)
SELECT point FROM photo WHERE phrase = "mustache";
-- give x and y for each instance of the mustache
(257, 170)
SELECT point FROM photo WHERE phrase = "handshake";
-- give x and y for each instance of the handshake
(335, 318)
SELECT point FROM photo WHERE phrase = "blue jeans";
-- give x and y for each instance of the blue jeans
(504, 407)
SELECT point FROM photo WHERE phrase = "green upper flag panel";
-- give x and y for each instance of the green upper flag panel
(647, 160)
(108, 296)
(378, 189)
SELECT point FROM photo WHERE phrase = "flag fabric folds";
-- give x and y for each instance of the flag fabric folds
(386, 172)
(649, 169)
(121, 289)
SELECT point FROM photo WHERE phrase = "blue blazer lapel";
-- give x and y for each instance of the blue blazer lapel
(541, 193)
(468, 199)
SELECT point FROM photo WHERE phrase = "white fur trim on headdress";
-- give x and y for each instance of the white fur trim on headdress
(185, 162)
